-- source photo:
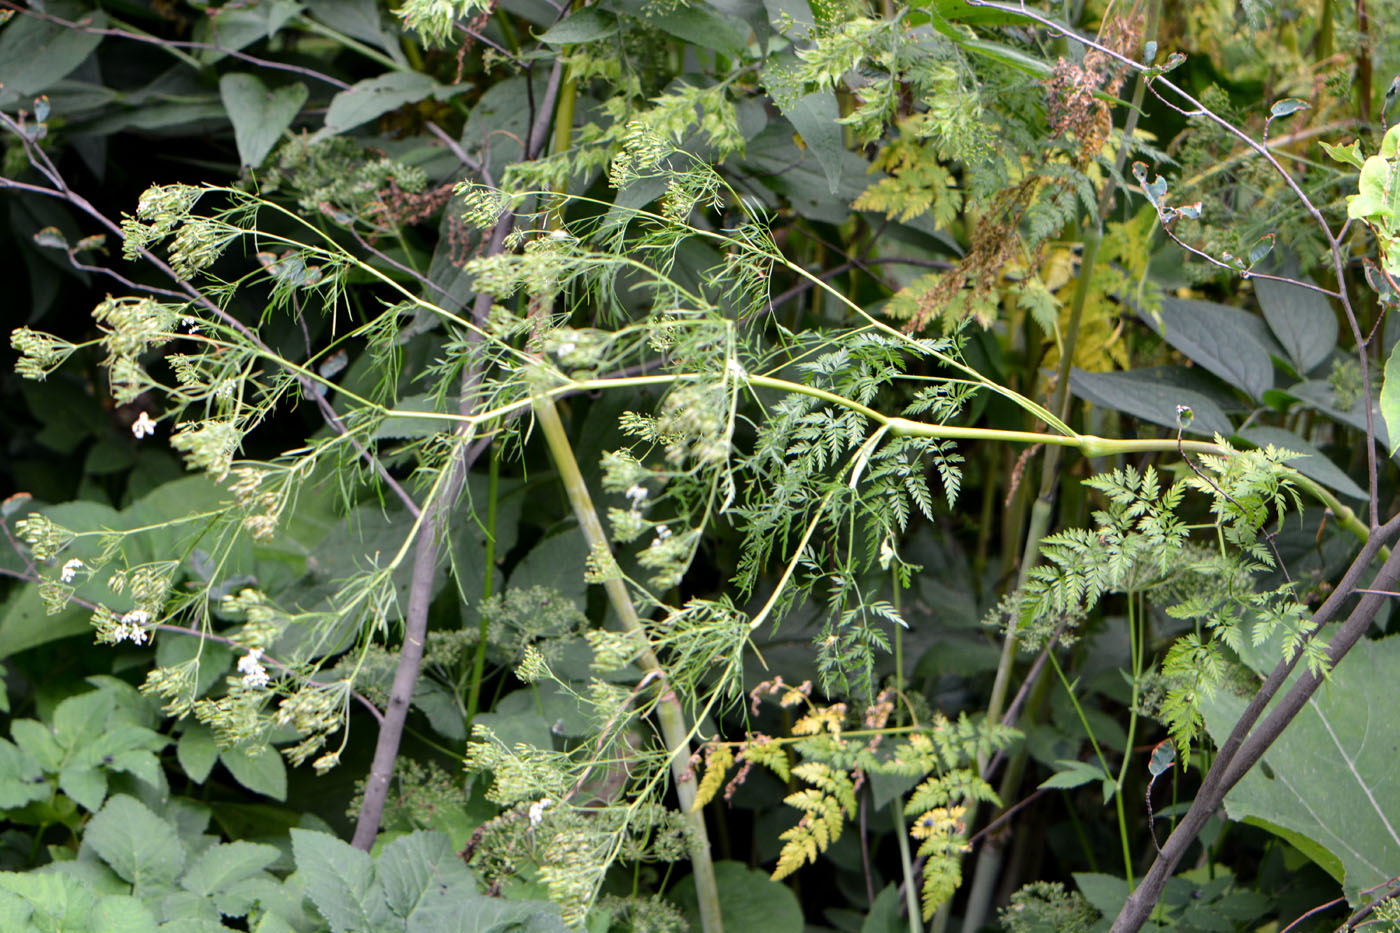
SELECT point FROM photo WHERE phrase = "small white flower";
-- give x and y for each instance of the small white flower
(565, 348)
(537, 811)
(143, 426)
(192, 324)
(637, 493)
(69, 569)
(736, 371)
(886, 553)
(250, 666)
(129, 627)
(662, 533)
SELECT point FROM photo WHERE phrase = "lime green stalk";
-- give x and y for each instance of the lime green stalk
(674, 730)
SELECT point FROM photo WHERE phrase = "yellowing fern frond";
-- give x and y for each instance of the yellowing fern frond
(718, 758)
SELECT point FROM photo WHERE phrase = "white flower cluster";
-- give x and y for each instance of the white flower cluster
(143, 426)
(70, 569)
(662, 533)
(251, 667)
(537, 811)
(131, 626)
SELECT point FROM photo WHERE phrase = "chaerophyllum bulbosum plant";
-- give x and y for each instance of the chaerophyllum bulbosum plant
(604, 345)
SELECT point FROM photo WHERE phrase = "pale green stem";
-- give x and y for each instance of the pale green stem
(901, 831)
(321, 29)
(671, 717)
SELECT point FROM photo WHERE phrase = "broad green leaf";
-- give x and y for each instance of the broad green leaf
(884, 915)
(558, 563)
(1150, 395)
(1390, 142)
(220, 866)
(38, 742)
(1350, 154)
(1372, 201)
(235, 27)
(122, 913)
(197, 752)
(457, 908)
(885, 788)
(1314, 465)
(1331, 775)
(25, 622)
(57, 901)
(1390, 398)
(185, 911)
(21, 777)
(360, 19)
(81, 718)
(750, 900)
(706, 27)
(35, 54)
(411, 867)
(88, 786)
(1289, 105)
(813, 115)
(264, 772)
(1319, 855)
(340, 880)
(14, 912)
(259, 116)
(373, 97)
(1073, 774)
(587, 25)
(1222, 340)
(569, 717)
(1106, 893)
(437, 703)
(1318, 394)
(140, 846)
(1301, 319)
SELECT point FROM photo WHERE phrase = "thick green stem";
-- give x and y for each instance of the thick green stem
(669, 714)
(479, 660)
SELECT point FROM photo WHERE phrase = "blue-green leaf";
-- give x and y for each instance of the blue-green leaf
(259, 116)
(376, 96)
(1301, 319)
(813, 115)
(587, 25)
(1150, 395)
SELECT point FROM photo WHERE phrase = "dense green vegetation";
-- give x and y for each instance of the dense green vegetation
(665, 464)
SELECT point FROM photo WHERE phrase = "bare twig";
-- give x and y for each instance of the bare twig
(431, 533)
(80, 26)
